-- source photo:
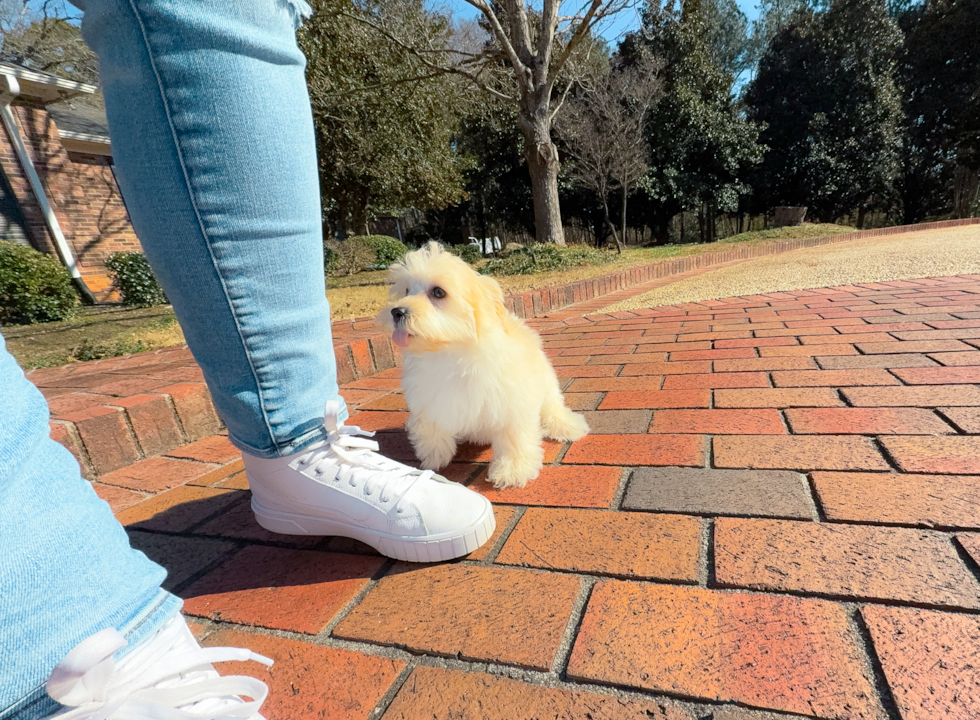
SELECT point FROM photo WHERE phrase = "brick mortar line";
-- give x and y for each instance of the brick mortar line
(837, 598)
(84, 460)
(891, 461)
(816, 507)
(396, 686)
(873, 664)
(381, 573)
(706, 554)
(586, 574)
(546, 679)
(167, 456)
(180, 423)
(948, 420)
(626, 477)
(563, 654)
(942, 417)
(491, 555)
(971, 562)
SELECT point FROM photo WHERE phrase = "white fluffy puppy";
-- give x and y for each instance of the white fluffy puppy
(472, 370)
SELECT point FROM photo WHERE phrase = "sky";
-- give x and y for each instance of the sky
(612, 29)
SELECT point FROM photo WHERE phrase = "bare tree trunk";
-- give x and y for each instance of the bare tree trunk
(623, 224)
(966, 190)
(860, 220)
(610, 223)
(542, 163)
(359, 216)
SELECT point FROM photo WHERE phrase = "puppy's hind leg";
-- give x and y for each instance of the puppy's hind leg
(557, 421)
(517, 455)
(433, 446)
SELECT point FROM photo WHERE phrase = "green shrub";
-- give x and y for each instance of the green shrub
(137, 284)
(352, 255)
(543, 257)
(469, 253)
(34, 287)
(329, 259)
(387, 250)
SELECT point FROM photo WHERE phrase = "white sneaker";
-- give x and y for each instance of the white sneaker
(167, 676)
(342, 486)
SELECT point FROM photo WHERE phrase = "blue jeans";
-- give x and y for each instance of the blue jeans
(213, 142)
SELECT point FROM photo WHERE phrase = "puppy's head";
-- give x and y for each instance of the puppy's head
(437, 300)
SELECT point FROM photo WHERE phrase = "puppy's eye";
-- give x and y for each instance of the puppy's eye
(438, 293)
(406, 292)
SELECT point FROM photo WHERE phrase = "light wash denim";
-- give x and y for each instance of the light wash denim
(212, 137)
(213, 143)
(66, 567)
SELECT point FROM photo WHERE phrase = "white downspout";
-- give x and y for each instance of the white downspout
(8, 91)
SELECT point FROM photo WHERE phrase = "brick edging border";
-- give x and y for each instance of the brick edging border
(362, 351)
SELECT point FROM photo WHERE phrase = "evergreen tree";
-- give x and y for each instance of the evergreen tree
(940, 73)
(826, 93)
(700, 142)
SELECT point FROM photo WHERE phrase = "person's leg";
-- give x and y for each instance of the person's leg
(67, 570)
(212, 137)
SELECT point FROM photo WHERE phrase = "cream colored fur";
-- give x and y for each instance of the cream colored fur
(472, 370)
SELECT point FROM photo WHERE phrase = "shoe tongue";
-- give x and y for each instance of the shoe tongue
(400, 337)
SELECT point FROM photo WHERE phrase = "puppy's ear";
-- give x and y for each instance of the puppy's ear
(487, 299)
(398, 277)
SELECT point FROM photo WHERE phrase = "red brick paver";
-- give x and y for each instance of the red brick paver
(636, 545)
(929, 660)
(502, 615)
(294, 590)
(779, 653)
(299, 687)
(909, 565)
(778, 511)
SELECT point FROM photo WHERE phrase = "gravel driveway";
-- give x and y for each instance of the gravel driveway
(936, 253)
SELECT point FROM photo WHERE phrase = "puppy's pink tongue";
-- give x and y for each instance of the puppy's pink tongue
(400, 337)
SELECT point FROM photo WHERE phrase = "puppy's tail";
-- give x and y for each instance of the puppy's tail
(561, 423)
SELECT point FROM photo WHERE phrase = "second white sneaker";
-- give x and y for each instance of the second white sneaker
(342, 486)
(167, 676)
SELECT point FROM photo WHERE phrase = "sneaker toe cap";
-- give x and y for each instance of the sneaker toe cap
(445, 507)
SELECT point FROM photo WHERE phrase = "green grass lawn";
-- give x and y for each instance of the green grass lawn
(112, 331)
(364, 294)
(105, 331)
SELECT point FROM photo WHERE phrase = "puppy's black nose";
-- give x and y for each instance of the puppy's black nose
(399, 313)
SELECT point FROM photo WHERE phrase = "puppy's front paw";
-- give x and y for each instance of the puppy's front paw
(434, 456)
(513, 471)
(433, 447)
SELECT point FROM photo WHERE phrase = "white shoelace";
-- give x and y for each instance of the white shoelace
(346, 455)
(165, 678)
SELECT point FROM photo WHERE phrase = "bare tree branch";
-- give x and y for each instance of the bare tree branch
(521, 71)
(603, 132)
(457, 69)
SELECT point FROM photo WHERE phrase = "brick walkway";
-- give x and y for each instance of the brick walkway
(778, 511)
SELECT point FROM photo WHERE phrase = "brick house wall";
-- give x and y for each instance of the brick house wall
(82, 190)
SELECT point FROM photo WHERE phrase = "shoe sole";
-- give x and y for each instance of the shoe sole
(428, 548)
